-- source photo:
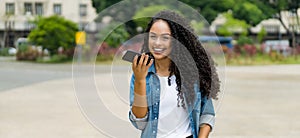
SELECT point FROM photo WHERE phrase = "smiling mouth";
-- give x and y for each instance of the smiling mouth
(159, 50)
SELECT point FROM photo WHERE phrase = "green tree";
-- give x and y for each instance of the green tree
(53, 32)
(210, 9)
(141, 18)
(114, 35)
(290, 6)
(252, 11)
(102, 4)
(261, 34)
(232, 25)
(124, 12)
(249, 12)
(197, 26)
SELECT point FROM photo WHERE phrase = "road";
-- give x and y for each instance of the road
(43, 100)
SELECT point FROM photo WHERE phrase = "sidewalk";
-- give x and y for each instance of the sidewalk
(259, 102)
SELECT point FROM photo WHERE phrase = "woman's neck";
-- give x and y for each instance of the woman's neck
(162, 67)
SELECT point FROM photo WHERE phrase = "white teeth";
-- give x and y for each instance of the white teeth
(158, 49)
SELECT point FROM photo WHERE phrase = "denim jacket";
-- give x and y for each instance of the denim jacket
(201, 113)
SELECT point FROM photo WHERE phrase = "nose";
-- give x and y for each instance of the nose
(157, 41)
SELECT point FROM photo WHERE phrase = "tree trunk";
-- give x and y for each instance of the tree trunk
(292, 33)
(298, 23)
(4, 39)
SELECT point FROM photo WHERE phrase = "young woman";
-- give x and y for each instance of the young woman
(172, 95)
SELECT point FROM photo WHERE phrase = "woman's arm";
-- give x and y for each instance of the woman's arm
(207, 118)
(140, 70)
(204, 131)
(139, 107)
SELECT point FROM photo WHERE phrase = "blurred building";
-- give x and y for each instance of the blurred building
(273, 27)
(15, 15)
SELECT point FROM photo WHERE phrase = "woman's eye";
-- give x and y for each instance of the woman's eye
(166, 38)
(153, 37)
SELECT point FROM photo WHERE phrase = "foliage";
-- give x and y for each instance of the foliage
(197, 26)
(4, 51)
(263, 59)
(242, 40)
(261, 34)
(248, 12)
(252, 11)
(290, 6)
(104, 58)
(210, 8)
(143, 16)
(57, 58)
(114, 35)
(232, 25)
(102, 4)
(123, 13)
(26, 52)
(22, 48)
(54, 32)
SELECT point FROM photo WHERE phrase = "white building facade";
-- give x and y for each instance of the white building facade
(271, 26)
(15, 15)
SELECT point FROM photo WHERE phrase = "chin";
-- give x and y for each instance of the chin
(159, 56)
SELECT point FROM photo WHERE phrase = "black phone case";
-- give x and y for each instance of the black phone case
(129, 56)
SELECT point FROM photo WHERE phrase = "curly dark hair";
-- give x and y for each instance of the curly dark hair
(194, 66)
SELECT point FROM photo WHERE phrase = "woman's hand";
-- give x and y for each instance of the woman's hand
(140, 69)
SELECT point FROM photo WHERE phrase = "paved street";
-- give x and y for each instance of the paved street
(39, 100)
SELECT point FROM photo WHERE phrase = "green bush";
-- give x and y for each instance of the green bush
(27, 53)
(22, 48)
(262, 33)
(263, 59)
(102, 58)
(54, 32)
(244, 40)
(4, 51)
(114, 35)
(54, 59)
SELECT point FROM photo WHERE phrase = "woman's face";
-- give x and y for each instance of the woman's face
(160, 40)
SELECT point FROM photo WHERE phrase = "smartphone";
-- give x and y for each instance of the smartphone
(129, 56)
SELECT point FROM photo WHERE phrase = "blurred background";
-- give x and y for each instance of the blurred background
(260, 40)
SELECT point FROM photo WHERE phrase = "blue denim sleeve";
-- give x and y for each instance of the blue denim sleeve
(139, 123)
(207, 115)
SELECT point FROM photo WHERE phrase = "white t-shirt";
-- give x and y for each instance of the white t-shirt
(173, 121)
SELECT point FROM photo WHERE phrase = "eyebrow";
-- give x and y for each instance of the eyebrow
(161, 34)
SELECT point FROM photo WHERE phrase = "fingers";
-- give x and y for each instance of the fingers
(134, 63)
(146, 60)
(140, 66)
(141, 62)
(150, 63)
(142, 57)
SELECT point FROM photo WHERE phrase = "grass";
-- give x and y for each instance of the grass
(264, 60)
(260, 59)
